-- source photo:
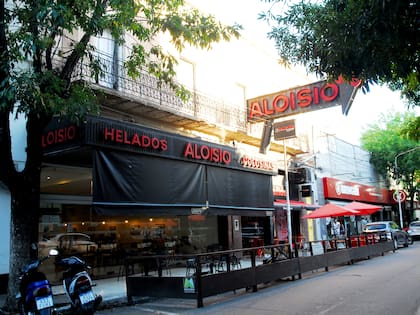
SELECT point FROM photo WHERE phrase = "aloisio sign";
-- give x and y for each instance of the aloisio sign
(302, 99)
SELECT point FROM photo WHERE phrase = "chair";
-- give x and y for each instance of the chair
(122, 268)
(235, 262)
(220, 263)
(190, 271)
(163, 264)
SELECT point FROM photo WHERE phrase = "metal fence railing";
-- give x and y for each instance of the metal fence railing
(205, 274)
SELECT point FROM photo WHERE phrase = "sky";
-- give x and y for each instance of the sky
(366, 108)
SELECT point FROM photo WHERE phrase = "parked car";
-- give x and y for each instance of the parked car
(389, 230)
(414, 229)
(68, 243)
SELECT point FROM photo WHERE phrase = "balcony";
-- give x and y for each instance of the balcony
(142, 99)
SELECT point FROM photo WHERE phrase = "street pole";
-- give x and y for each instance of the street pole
(286, 183)
(398, 182)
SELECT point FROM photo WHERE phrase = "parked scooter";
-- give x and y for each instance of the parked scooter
(77, 285)
(35, 295)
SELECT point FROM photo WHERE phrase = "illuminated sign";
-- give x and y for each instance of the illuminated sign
(207, 153)
(58, 136)
(302, 99)
(256, 163)
(135, 139)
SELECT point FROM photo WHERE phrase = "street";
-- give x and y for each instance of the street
(382, 285)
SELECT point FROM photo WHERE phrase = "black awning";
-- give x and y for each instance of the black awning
(233, 188)
(133, 184)
(140, 181)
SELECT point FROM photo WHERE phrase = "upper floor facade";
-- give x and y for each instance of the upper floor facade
(220, 81)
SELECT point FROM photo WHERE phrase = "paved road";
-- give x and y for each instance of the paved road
(385, 285)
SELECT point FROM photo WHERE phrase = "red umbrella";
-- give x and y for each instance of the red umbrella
(331, 210)
(363, 208)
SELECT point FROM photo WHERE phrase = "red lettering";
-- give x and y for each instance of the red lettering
(316, 95)
(126, 140)
(136, 140)
(123, 136)
(109, 134)
(71, 133)
(304, 97)
(61, 136)
(256, 163)
(145, 141)
(50, 138)
(255, 109)
(119, 136)
(197, 155)
(216, 155)
(267, 111)
(279, 98)
(205, 152)
(188, 151)
(354, 82)
(292, 101)
(155, 143)
(58, 136)
(227, 158)
(334, 92)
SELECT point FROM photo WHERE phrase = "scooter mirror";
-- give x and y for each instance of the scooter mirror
(53, 252)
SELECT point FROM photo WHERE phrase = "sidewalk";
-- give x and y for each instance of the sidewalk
(112, 290)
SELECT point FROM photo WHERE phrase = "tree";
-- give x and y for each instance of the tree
(411, 129)
(31, 85)
(385, 140)
(373, 40)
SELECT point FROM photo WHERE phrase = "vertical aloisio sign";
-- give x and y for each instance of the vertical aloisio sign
(302, 99)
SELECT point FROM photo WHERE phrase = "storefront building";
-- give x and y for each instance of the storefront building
(343, 192)
(144, 189)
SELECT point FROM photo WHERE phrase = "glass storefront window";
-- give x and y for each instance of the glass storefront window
(102, 241)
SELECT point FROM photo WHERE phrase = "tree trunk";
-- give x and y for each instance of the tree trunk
(25, 189)
(24, 232)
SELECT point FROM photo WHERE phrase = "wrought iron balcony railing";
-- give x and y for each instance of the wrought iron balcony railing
(146, 91)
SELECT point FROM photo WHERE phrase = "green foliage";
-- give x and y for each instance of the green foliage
(36, 29)
(411, 129)
(373, 40)
(385, 140)
(42, 46)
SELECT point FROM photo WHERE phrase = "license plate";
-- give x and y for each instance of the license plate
(44, 302)
(87, 297)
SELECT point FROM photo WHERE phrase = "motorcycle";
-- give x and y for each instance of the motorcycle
(77, 285)
(35, 295)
